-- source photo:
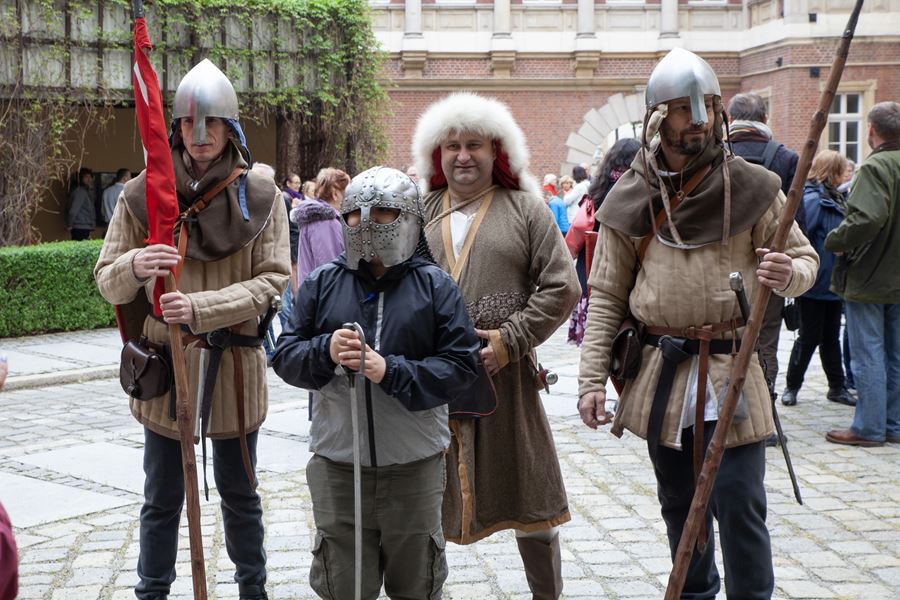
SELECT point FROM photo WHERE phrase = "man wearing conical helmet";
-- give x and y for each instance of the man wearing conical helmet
(676, 224)
(489, 227)
(236, 261)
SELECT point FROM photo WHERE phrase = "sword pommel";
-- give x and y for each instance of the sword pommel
(736, 281)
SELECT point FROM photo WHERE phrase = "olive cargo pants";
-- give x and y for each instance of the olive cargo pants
(403, 543)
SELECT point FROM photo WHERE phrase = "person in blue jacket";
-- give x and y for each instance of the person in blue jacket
(421, 353)
(558, 208)
(820, 308)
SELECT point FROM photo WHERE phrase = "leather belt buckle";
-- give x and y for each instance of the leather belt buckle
(218, 338)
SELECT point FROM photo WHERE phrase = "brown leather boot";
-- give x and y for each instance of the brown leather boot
(543, 567)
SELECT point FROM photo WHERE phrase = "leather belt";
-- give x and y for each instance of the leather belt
(216, 341)
(677, 345)
(693, 346)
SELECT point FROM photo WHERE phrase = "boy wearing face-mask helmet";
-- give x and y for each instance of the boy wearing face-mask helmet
(421, 352)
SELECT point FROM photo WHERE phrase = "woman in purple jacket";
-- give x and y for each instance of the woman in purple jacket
(321, 237)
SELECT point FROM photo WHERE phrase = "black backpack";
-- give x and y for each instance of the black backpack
(768, 155)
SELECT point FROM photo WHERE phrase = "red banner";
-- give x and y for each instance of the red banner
(162, 202)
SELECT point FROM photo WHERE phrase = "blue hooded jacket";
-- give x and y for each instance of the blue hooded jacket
(824, 212)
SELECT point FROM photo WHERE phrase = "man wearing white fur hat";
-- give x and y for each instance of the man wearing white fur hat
(489, 227)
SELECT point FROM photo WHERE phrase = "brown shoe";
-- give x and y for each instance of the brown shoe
(892, 439)
(848, 438)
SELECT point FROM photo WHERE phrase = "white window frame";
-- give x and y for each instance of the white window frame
(842, 119)
(866, 92)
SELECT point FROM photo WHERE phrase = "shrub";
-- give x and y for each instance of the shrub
(50, 287)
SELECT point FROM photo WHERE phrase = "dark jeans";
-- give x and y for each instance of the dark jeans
(820, 327)
(161, 514)
(81, 234)
(738, 503)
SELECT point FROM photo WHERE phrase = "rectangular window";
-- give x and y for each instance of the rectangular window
(845, 125)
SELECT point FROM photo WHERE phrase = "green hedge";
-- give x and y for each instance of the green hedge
(50, 287)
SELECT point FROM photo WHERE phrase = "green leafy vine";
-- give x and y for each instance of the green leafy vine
(312, 65)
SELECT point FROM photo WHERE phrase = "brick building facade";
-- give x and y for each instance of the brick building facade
(574, 71)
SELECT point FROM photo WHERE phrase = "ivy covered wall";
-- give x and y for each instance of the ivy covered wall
(311, 66)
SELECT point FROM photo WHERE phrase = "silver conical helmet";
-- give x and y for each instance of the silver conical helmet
(393, 242)
(205, 92)
(680, 74)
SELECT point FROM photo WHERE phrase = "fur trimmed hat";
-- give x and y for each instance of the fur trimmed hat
(471, 113)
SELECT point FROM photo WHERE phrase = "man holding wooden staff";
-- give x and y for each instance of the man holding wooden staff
(686, 215)
(235, 261)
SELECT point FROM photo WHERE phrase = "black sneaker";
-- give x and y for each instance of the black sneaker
(841, 396)
(789, 397)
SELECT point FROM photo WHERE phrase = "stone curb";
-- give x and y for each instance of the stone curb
(39, 380)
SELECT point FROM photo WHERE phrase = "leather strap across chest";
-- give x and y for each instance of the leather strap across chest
(683, 193)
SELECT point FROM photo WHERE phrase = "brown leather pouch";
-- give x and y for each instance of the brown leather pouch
(145, 371)
(627, 346)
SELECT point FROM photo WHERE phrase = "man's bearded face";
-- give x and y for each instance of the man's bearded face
(467, 160)
(680, 134)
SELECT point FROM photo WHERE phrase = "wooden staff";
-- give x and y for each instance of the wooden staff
(713, 459)
(184, 416)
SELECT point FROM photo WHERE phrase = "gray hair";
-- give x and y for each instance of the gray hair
(885, 120)
(747, 107)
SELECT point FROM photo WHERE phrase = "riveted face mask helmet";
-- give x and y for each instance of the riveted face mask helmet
(205, 92)
(390, 217)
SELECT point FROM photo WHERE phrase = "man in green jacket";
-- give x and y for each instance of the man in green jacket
(866, 275)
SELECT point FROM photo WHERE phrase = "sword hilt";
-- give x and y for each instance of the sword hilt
(274, 307)
(736, 281)
(138, 8)
(362, 351)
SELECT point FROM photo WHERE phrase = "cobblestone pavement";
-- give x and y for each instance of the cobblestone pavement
(71, 478)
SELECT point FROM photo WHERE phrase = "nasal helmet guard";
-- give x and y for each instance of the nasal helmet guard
(680, 74)
(393, 242)
(205, 92)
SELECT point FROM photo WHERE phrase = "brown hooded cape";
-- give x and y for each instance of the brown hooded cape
(699, 219)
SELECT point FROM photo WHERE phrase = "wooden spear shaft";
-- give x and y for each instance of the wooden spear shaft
(713, 459)
(184, 416)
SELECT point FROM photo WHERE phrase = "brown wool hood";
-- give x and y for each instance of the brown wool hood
(220, 229)
(700, 218)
